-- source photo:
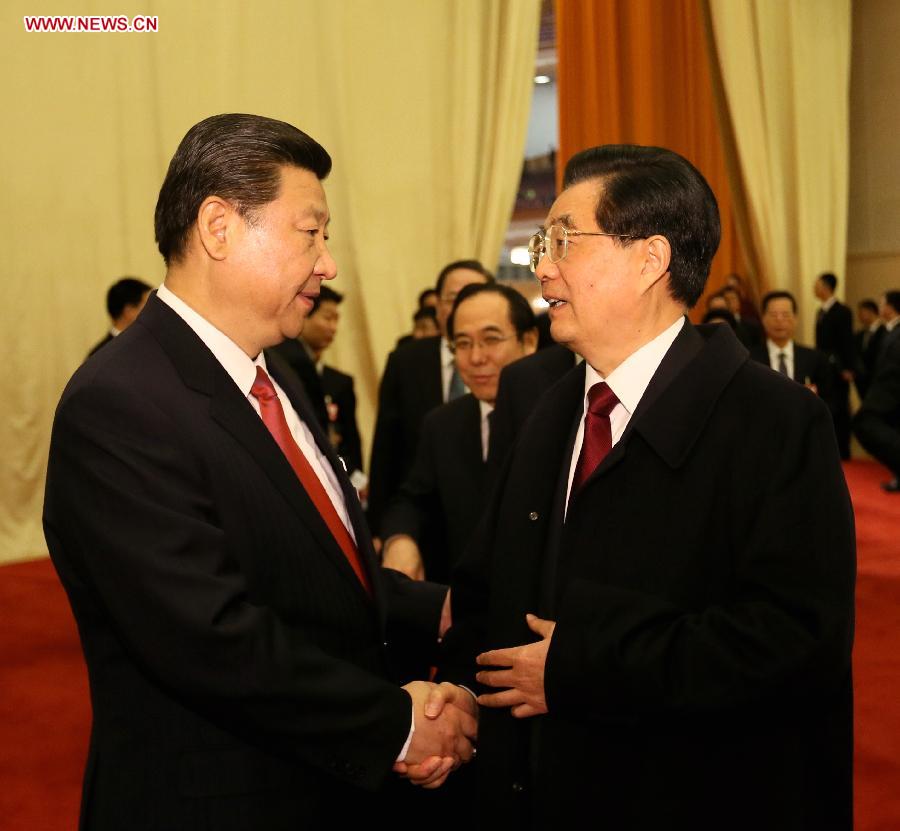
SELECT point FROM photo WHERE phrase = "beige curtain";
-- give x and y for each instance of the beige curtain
(785, 72)
(423, 106)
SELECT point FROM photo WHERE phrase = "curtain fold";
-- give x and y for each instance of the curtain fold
(423, 106)
(785, 71)
(637, 72)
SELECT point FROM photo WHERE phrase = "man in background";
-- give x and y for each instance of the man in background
(807, 366)
(834, 337)
(329, 389)
(867, 344)
(431, 520)
(877, 423)
(419, 376)
(215, 554)
(124, 301)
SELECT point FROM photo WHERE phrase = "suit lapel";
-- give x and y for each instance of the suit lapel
(201, 372)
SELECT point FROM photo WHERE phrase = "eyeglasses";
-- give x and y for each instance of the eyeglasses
(487, 343)
(554, 242)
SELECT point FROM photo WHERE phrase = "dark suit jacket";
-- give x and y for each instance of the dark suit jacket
(340, 400)
(867, 352)
(702, 583)
(295, 355)
(834, 336)
(883, 395)
(809, 365)
(100, 344)
(237, 665)
(441, 500)
(522, 383)
(410, 389)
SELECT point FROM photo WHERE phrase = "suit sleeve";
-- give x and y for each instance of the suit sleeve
(131, 508)
(351, 446)
(785, 634)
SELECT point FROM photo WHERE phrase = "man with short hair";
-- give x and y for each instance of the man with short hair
(429, 523)
(330, 390)
(213, 550)
(124, 301)
(747, 330)
(877, 423)
(419, 376)
(662, 587)
(806, 366)
(834, 337)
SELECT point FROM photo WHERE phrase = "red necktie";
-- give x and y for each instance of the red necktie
(273, 417)
(597, 432)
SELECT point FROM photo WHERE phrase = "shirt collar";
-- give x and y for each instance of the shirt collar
(485, 408)
(775, 349)
(630, 378)
(827, 304)
(236, 362)
(446, 353)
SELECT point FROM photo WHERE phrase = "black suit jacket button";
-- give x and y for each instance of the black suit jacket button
(533, 516)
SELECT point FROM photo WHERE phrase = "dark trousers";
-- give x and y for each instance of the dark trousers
(880, 436)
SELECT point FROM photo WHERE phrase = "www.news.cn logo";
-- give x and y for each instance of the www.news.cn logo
(92, 23)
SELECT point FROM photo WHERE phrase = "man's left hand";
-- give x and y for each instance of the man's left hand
(524, 676)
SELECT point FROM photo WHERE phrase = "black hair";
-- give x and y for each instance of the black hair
(829, 280)
(325, 293)
(892, 299)
(651, 190)
(426, 312)
(521, 315)
(469, 265)
(423, 295)
(129, 291)
(869, 304)
(778, 295)
(720, 314)
(237, 157)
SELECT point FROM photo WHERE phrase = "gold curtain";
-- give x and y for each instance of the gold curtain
(785, 75)
(423, 106)
(637, 72)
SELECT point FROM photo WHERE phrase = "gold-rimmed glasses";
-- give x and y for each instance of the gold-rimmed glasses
(554, 242)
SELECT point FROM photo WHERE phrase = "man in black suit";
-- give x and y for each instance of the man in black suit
(867, 344)
(747, 330)
(834, 337)
(522, 383)
(214, 552)
(877, 423)
(807, 366)
(677, 518)
(331, 389)
(432, 518)
(419, 376)
(124, 301)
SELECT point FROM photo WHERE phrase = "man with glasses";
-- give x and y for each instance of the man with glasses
(660, 596)
(419, 376)
(427, 527)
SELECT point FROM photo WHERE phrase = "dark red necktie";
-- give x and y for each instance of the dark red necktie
(273, 417)
(597, 432)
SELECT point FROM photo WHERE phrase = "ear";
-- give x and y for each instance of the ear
(657, 257)
(530, 341)
(216, 225)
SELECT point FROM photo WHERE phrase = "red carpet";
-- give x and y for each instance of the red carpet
(45, 714)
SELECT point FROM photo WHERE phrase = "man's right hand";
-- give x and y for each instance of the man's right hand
(445, 728)
(401, 553)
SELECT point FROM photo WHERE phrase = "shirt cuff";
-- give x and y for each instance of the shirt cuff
(412, 729)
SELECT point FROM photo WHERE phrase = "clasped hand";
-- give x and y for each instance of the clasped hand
(521, 673)
(446, 725)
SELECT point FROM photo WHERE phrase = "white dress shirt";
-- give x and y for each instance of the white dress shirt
(775, 350)
(242, 370)
(628, 381)
(485, 409)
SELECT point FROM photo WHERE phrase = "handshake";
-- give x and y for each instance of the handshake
(446, 725)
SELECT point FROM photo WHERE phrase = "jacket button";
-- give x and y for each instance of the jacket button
(518, 787)
(533, 516)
